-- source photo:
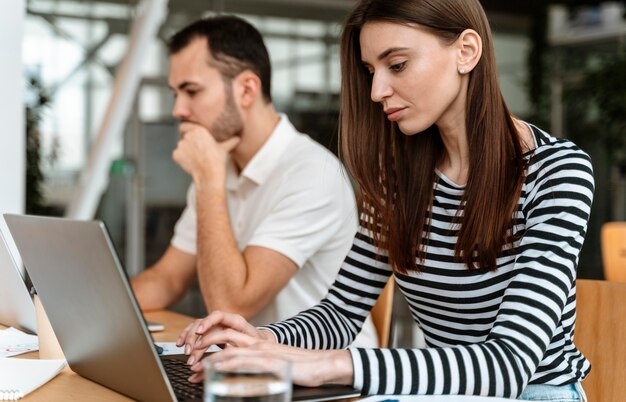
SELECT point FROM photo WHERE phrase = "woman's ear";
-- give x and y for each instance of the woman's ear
(247, 88)
(470, 49)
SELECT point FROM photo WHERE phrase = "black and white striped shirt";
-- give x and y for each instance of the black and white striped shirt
(487, 332)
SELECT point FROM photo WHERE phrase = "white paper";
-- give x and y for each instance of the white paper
(18, 377)
(14, 342)
(170, 348)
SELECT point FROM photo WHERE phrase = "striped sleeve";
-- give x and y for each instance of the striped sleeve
(557, 212)
(556, 204)
(335, 322)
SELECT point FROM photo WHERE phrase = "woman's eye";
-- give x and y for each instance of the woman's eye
(398, 67)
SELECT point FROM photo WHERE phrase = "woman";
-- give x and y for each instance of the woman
(479, 216)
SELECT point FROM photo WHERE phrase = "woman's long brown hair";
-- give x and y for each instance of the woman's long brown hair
(396, 172)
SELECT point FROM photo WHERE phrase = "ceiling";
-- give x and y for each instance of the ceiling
(311, 9)
(506, 16)
(325, 10)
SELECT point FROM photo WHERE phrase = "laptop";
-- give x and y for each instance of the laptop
(94, 314)
(16, 305)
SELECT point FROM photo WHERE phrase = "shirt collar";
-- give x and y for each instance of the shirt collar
(267, 157)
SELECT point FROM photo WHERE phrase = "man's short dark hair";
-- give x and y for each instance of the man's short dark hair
(234, 44)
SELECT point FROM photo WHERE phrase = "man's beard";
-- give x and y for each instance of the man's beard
(229, 123)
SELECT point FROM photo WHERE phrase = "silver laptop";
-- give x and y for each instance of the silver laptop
(16, 305)
(94, 314)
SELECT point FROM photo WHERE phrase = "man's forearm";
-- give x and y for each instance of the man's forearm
(154, 291)
(149, 291)
(222, 270)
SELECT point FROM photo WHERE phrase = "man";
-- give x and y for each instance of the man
(270, 214)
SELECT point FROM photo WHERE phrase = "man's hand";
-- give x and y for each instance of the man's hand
(203, 158)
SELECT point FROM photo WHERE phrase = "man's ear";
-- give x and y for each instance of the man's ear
(247, 88)
(470, 49)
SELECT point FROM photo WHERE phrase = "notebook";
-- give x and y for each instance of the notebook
(19, 377)
(94, 314)
(16, 309)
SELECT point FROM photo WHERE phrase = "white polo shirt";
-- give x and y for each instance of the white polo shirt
(295, 198)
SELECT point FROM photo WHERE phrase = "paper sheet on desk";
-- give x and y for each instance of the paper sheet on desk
(170, 348)
(14, 342)
(19, 377)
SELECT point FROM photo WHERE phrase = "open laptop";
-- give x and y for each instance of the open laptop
(94, 314)
(16, 305)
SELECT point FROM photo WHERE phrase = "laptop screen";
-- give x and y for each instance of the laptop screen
(16, 308)
(90, 305)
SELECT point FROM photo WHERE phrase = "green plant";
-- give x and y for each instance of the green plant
(37, 101)
(607, 88)
(538, 65)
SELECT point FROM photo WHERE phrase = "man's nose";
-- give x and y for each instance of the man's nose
(180, 110)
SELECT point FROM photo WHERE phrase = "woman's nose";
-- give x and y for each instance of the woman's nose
(380, 89)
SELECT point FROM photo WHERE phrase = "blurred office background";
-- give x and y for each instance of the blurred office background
(562, 66)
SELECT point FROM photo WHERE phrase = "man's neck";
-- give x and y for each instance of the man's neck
(258, 128)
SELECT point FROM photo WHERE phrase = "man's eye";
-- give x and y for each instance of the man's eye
(398, 67)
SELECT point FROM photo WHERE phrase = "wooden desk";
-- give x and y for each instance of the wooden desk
(69, 386)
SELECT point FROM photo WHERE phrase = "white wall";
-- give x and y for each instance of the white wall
(12, 137)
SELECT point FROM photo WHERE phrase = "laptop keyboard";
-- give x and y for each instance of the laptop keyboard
(178, 373)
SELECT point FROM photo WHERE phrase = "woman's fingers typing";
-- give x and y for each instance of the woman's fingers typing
(218, 328)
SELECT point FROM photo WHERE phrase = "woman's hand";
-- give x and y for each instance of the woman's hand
(309, 367)
(220, 328)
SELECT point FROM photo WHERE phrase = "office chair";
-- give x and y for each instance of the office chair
(600, 335)
(613, 240)
(381, 313)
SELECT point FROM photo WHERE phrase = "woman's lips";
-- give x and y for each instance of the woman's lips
(394, 113)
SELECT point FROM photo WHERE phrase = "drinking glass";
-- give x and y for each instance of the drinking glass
(247, 379)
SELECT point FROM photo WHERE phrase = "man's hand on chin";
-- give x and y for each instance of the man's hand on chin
(198, 154)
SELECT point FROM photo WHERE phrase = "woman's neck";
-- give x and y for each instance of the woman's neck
(455, 164)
